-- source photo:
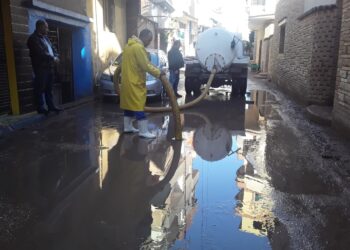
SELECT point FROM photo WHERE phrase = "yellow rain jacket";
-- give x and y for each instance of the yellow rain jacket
(135, 64)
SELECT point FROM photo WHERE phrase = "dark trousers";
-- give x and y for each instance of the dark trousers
(140, 115)
(43, 81)
(174, 79)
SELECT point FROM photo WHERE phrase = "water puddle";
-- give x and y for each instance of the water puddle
(210, 191)
(218, 197)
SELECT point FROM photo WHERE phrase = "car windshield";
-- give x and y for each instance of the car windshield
(155, 62)
(118, 60)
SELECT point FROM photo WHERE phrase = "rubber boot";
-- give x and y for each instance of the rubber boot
(143, 126)
(128, 127)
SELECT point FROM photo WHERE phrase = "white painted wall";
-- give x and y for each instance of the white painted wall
(309, 4)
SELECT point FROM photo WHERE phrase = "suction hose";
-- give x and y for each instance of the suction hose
(175, 108)
(186, 105)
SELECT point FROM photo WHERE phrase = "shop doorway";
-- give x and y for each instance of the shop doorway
(61, 38)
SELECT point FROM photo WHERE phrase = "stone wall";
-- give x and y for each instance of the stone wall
(341, 110)
(307, 67)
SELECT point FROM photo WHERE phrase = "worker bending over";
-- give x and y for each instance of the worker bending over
(133, 92)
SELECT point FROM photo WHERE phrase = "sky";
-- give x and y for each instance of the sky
(230, 13)
(233, 14)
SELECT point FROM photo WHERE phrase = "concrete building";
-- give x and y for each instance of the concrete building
(156, 16)
(108, 31)
(185, 26)
(341, 109)
(260, 22)
(305, 49)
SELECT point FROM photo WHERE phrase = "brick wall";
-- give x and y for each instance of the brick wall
(341, 110)
(307, 66)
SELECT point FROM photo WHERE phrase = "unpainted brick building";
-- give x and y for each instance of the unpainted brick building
(341, 109)
(305, 49)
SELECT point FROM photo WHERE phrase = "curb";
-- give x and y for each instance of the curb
(22, 121)
(320, 114)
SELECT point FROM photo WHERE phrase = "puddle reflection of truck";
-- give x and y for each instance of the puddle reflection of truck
(224, 50)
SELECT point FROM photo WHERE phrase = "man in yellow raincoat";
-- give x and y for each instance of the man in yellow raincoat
(133, 92)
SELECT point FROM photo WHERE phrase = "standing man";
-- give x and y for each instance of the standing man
(176, 62)
(43, 57)
(133, 92)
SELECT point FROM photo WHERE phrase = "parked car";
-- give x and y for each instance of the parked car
(154, 85)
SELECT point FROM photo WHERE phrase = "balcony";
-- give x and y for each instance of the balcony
(261, 8)
(167, 5)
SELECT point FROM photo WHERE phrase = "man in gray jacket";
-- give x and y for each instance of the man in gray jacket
(176, 62)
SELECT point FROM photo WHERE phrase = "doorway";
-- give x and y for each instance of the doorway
(61, 38)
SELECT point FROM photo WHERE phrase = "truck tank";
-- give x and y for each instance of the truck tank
(218, 47)
(224, 50)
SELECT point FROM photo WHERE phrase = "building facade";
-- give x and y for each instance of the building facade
(87, 34)
(305, 49)
(341, 108)
(185, 26)
(261, 18)
(156, 16)
(108, 31)
(69, 33)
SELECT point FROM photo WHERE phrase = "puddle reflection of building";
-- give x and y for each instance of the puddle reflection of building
(171, 203)
(254, 203)
(174, 206)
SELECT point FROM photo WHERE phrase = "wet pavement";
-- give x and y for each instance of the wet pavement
(249, 174)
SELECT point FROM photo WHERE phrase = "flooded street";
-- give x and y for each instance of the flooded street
(247, 175)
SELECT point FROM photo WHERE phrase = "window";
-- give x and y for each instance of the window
(282, 37)
(108, 14)
(258, 2)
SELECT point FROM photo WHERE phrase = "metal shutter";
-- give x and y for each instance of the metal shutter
(4, 85)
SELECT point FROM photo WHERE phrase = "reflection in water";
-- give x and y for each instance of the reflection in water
(254, 204)
(218, 129)
(156, 188)
(164, 194)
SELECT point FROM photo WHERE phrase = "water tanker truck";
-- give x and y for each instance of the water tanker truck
(219, 48)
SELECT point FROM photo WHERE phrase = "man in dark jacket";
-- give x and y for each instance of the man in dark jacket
(43, 57)
(176, 62)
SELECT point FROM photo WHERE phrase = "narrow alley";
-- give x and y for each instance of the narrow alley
(256, 175)
(174, 124)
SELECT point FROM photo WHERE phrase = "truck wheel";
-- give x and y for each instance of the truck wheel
(235, 87)
(196, 87)
(243, 86)
(188, 87)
